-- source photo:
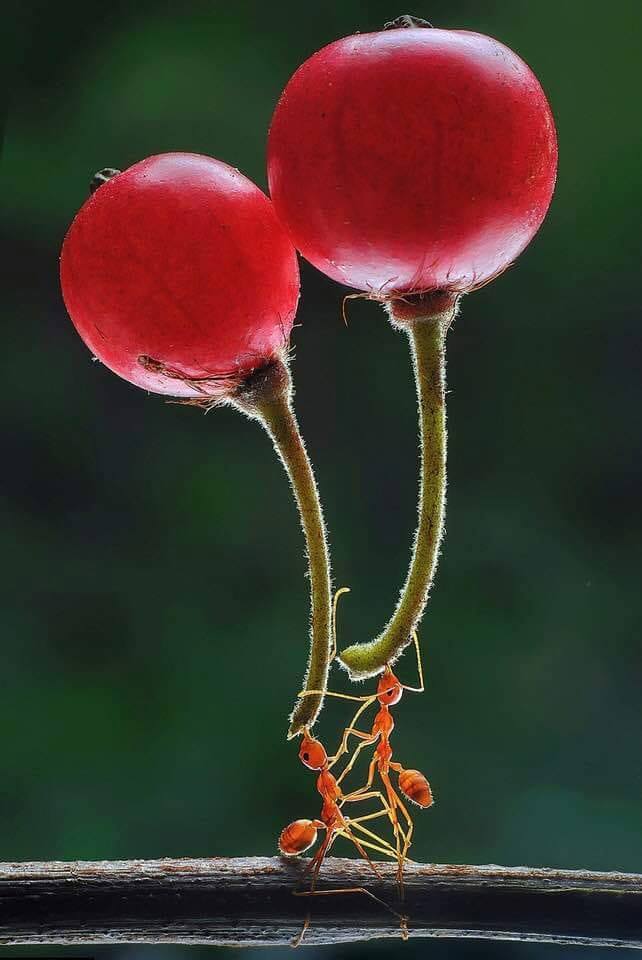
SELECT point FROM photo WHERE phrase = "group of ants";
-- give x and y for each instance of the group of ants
(300, 835)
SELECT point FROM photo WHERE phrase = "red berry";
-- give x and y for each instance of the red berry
(179, 277)
(412, 160)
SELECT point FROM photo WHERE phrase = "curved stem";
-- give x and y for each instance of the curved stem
(267, 397)
(427, 336)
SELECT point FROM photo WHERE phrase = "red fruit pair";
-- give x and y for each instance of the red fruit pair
(412, 164)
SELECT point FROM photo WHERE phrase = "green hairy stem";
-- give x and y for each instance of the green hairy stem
(427, 335)
(267, 397)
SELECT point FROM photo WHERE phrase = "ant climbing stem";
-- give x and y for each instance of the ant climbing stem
(412, 784)
(335, 603)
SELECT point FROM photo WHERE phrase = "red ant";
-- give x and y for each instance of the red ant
(300, 835)
(412, 784)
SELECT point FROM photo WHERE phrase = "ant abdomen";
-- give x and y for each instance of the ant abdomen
(415, 787)
(297, 837)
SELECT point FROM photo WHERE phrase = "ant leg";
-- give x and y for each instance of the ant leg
(396, 828)
(357, 824)
(403, 925)
(366, 740)
(369, 816)
(365, 793)
(398, 768)
(360, 844)
(394, 803)
(387, 848)
(314, 866)
(404, 854)
(313, 861)
(394, 800)
(387, 811)
(387, 851)
(420, 688)
(313, 892)
(358, 794)
(331, 693)
(380, 845)
(407, 843)
(351, 728)
(348, 833)
(372, 794)
(323, 850)
(330, 893)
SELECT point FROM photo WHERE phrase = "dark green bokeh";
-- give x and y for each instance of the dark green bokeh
(154, 602)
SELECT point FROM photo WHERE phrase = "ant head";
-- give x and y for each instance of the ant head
(389, 689)
(312, 753)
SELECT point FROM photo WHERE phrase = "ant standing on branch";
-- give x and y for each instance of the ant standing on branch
(412, 784)
(300, 835)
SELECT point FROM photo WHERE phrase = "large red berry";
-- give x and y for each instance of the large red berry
(179, 277)
(412, 160)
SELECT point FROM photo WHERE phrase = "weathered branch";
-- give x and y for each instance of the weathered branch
(250, 901)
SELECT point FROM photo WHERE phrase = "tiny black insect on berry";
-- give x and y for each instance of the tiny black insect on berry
(102, 177)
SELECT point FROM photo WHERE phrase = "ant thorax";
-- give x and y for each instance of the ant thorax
(384, 722)
(328, 786)
(384, 751)
(330, 812)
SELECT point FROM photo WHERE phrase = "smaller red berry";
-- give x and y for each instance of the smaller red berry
(179, 277)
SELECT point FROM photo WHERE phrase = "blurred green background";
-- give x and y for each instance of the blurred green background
(154, 609)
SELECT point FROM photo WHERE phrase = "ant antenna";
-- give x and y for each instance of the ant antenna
(335, 604)
(420, 688)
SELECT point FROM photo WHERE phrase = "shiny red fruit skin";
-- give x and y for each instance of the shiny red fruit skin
(412, 160)
(181, 261)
